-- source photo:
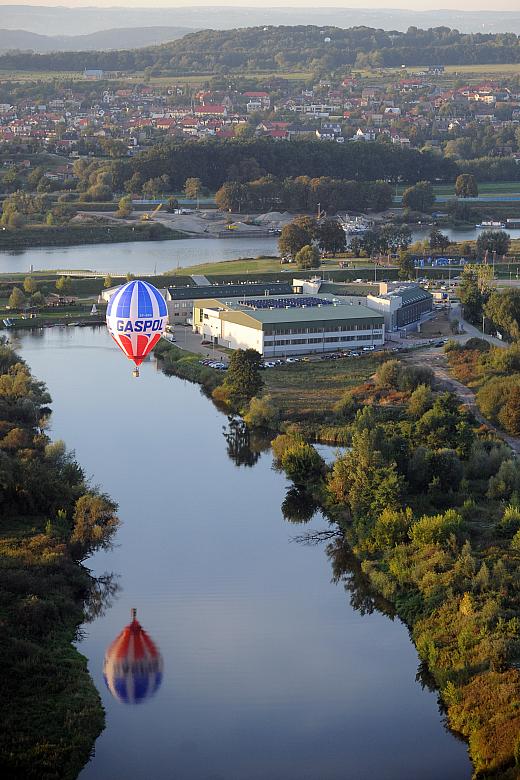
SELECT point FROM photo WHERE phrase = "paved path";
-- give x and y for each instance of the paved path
(436, 360)
(470, 331)
(187, 339)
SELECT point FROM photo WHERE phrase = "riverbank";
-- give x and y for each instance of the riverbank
(421, 499)
(75, 235)
(51, 521)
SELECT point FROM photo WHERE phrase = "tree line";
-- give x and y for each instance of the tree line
(286, 47)
(303, 194)
(217, 161)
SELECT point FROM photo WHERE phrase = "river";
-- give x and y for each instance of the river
(269, 671)
(149, 257)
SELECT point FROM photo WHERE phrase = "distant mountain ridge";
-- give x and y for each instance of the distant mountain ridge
(59, 20)
(104, 40)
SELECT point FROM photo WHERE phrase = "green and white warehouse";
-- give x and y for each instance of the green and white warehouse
(288, 325)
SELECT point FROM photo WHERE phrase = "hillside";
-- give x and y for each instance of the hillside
(104, 40)
(285, 48)
(60, 20)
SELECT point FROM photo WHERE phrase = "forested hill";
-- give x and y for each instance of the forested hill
(283, 48)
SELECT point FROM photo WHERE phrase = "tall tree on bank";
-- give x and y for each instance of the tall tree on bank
(243, 379)
(420, 197)
(193, 188)
(331, 237)
(293, 238)
(466, 186)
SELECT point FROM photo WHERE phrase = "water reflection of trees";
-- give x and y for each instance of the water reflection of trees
(346, 569)
(102, 593)
(298, 506)
(244, 446)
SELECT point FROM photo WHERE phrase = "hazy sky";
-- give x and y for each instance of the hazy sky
(463, 5)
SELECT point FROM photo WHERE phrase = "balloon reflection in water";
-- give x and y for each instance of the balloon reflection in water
(133, 665)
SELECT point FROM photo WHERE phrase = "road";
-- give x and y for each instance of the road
(436, 360)
(470, 331)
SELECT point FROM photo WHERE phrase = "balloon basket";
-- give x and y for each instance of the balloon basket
(135, 373)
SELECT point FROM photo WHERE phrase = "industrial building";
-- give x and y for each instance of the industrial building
(288, 325)
(401, 304)
(180, 300)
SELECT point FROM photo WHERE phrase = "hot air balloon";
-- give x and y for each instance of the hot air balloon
(136, 318)
(133, 665)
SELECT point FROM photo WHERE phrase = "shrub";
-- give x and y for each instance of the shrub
(510, 521)
(506, 481)
(435, 529)
(303, 464)
(388, 374)
(391, 528)
(262, 413)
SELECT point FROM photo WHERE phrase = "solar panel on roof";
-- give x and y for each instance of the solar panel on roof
(285, 303)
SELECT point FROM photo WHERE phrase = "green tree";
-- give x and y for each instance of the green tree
(292, 239)
(387, 375)
(473, 293)
(29, 285)
(94, 524)
(493, 241)
(331, 237)
(64, 285)
(509, 415)
(262, 413)
(303, 464)
(33, 179)
(124, 207)
(108, 282)
(420, 197)
(243, 378)
(435, 529)
(420, 401)
(308, 257)
(193, 188)
(16, 299)
(438, 240)
(466, 186)
(503, 309)
(231, 196)
(37, 299)
(406, 265)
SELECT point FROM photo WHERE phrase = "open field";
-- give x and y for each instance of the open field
(51, 75)
(245, 265)
(300, 389)
(497, 188)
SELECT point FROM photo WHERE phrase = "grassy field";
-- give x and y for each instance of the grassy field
(485, 188)
(245, 266)
(301, 389)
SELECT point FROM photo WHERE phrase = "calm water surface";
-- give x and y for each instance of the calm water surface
(144, 257)
(148, 257)
(269, 672)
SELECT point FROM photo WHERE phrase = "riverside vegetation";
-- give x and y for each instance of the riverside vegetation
(428, 503)
(52, 520)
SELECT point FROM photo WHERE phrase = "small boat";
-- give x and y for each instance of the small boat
(491, 224)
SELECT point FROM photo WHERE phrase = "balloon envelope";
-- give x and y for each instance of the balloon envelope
(133, 665)
(137, 316)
